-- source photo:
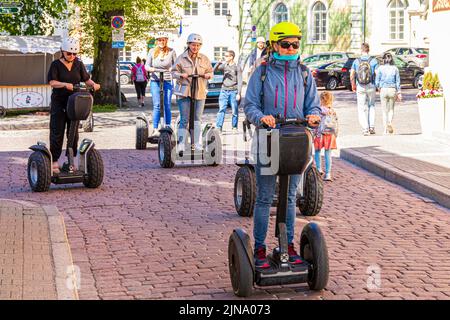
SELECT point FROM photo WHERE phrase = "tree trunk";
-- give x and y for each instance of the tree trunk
(105, 67)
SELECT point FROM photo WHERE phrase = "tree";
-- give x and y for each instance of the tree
(141, 16)
(34, 18)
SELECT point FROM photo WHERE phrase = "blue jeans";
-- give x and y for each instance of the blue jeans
(227, 97)
(184, 105)
(327, 161)
(265, 190)
(154, 89)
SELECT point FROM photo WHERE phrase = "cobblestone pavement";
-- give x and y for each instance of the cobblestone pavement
(152, 233)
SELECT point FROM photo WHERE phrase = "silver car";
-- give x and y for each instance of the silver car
(413, 56)
(324, 57)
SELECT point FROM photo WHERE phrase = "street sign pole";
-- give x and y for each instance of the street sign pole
(118, 42)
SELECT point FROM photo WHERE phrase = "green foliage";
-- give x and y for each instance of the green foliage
(104, 108)
(35, 17)
(141, 18)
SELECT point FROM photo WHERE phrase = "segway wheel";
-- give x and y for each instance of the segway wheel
(245, 191)
(141, 134)
(88, 125)
(313, 249)
(39, 172)
(241, 272)
(311, 202)
(165, 147)
(95, 170)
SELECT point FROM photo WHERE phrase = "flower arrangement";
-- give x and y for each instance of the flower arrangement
(431, 87)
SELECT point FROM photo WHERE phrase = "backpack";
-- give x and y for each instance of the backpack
(263, 63)
(364, 73)
(330, 124)
(140, 74)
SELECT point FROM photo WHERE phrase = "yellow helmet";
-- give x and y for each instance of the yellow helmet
(284, 30)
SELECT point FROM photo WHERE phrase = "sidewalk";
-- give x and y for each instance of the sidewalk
(35, 259)
(415, 162)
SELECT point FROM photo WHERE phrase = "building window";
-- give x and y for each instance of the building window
(319, 22)
(219, 52)
(220, 7)
(280, 13)
(125, 54)
(191, 8)
(396, 20)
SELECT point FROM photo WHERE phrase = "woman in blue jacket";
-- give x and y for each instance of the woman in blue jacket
(283, 92)
(388, 82)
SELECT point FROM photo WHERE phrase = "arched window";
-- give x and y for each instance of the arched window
(397, 20)
(280, 13)
(319, 22)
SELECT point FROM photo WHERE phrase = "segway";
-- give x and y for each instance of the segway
(309, 193)
(90, 169)
(143, 122)
(211, 154)
(293, 153)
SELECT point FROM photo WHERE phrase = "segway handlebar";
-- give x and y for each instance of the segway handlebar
(82, 87)
(196, 76)
(289, 121)
(160, 70)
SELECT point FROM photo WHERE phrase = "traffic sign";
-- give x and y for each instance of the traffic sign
(118, 45)
(9, 10)
(117, 22)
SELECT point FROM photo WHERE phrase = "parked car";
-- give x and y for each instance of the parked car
(324, 57)
(409, 74)
(125, 71)
(214, 86)
(329, 75)
(414, 56)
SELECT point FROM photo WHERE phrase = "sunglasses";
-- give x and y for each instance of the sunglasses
(287, 44)
(70, 54)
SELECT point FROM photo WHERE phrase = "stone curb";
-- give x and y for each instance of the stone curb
(65, 272)
(24, 126)
(414, 183)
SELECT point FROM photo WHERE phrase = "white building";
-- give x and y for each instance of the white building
(207, 18)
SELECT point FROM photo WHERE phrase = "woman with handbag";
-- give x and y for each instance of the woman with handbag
(325, 134)
(191, 62)
(161, 57)
(388, 82)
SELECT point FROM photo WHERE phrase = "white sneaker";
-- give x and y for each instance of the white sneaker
(234, 130)
(328, 177)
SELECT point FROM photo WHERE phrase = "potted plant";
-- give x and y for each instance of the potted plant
(431, 105)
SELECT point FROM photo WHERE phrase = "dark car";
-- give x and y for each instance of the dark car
(125, 71)
(409, 74)
(329, 75)
(214, 86)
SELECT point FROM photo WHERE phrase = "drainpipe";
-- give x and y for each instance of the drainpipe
(364, 20)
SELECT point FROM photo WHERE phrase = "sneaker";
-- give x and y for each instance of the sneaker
(55, 167)
(261, 261)
(155, 133)
(234, 130)
(372, 130)
(328, 177)
(294, 258)
(390, 129)
(366, 132)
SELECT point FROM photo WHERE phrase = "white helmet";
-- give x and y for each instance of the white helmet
(70, 45)
(162, 34)
(261, 39)
(194, 38)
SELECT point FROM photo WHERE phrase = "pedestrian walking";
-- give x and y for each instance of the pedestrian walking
(325, 134)
(363, 83)
(139, 78)
(230, 92)
(161, 58)
(256, 54)
(388, 82)
(280, 85)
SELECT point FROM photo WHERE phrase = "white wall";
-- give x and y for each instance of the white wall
(439, 62)
(214, 29)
